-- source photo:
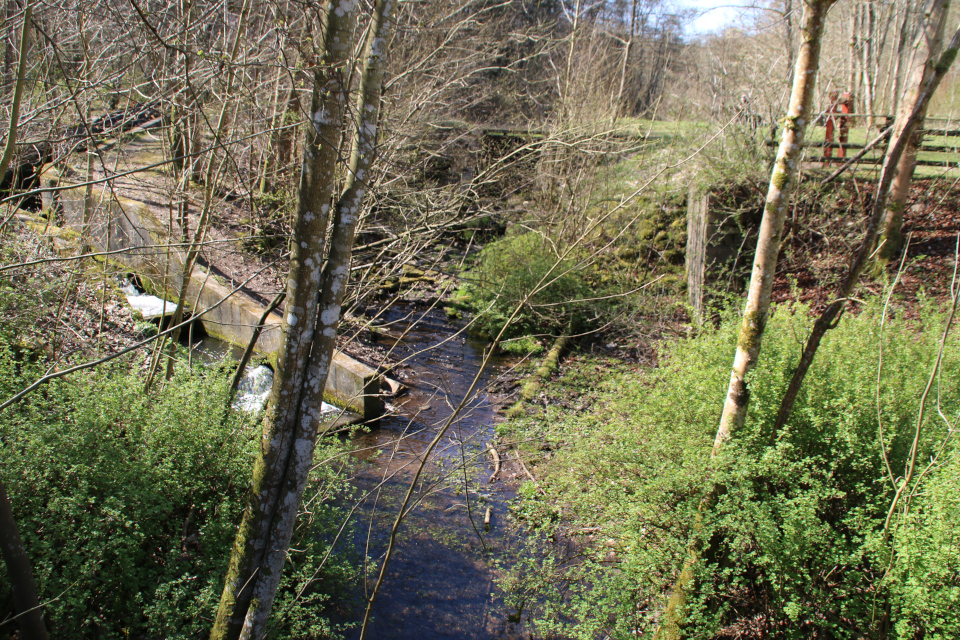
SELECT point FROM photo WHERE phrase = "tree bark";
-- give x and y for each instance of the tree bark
(891, 161)
(782, 182)
(788, 35)
(869, 24)
(903, 38)
(11, 144)
(333, 285)
(926, 48)
(310, 321)
(328, 105)
(20, 574)
(618, 108)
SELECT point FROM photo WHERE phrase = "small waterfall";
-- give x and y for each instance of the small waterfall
(149, 306)
(254, 388)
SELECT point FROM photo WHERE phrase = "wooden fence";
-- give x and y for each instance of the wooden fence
(939, 148)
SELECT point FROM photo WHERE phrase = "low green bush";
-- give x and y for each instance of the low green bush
(509, 273)
(128, 504)
(794, 546)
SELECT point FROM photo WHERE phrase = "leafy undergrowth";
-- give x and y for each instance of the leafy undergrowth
(129, 503)
(794, 547)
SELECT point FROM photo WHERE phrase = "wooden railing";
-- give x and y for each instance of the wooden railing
(931, 153)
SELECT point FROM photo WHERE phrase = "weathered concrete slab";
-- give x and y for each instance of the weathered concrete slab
(124, 224)
(355, 386)
(137, 229)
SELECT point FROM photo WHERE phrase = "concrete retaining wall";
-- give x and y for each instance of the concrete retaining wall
(124, 224)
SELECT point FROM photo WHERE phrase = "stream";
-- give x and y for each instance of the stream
(440, 581)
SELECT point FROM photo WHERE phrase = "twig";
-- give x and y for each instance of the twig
(496, 462)
(529, 475)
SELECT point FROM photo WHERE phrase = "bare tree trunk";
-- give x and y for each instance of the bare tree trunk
(290, 428)
(333, 285)
(11, 143)
(782, 183)
(830, 316)
(788, 35)
(855, 76)
(618, 103)
(30, 615)
(329, 103)
(926, 48)
(869, 25)
(898, 61)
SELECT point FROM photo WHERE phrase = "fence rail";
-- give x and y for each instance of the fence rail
(942, 154)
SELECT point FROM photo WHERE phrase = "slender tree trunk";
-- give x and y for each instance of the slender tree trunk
(316, 192)
(898, 61)
(782, 182)
(926, 49)
(891, 161)
(854, 57)
(333, 285)
(10, 9)
(869, 24)
(618, 109)
(20, 574)
(311, 317)
(788, 35)
(11, 144)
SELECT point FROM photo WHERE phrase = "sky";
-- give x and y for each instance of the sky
(714, 15)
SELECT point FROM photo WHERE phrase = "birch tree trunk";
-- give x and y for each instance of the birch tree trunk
(897, 73)
(788, 35)
(869, 24)
(333, 285)
(926, 49)
(328, 106)
(291, 426)
(618, 109)
(782, 182)
(891, 162)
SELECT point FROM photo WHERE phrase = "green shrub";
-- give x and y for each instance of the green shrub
(793, 548)
(128, 504)
(508, 273)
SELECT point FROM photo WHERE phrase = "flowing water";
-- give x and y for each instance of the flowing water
(440, 581)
